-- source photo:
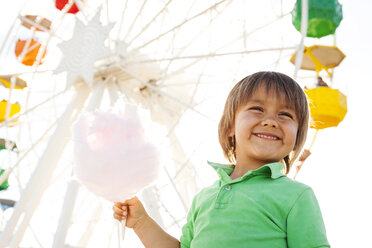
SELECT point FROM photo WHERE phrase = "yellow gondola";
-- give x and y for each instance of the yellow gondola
(14, 109)
(318, 57)
(328, 107)
(6, 81)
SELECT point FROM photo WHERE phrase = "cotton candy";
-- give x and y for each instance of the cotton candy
(113, 158)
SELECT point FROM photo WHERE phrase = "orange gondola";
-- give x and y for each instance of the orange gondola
(30, 21)
(32, 50)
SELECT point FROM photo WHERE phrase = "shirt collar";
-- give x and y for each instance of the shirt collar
(274, 170)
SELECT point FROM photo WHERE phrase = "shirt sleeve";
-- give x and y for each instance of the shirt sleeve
(188, 228)
(305, 227)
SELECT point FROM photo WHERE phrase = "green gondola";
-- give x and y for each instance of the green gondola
(7, 144)
(324, 17)
(5, 184)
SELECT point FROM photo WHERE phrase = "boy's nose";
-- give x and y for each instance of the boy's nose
(271, 122)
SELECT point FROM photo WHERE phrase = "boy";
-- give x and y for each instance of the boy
(263, 128)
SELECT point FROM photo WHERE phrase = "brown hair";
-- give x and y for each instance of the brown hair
(280, 84)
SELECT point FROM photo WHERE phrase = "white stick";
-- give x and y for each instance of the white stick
(123, 223)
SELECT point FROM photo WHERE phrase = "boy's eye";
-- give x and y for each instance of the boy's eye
(256, 108)
(286, 114)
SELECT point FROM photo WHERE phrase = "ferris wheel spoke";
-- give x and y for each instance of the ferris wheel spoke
(178, 26)
(185, 207)
(121, 21)
(244, 35)
(186, 163)
(172, 127)
(206, 27)
(170, 85)
(84, 239)
(166, 209)
(164, 94)
(175, 33)
(34, 235)
(150, 22)
(30, 110)
(61, 173)
(238, 38)
(135, 19)
(7, 172)
(212, 55)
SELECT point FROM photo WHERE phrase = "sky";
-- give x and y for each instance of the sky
(338, 169)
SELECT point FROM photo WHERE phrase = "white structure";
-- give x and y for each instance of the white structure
(166, 58)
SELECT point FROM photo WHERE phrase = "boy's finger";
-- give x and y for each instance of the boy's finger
(119, 204)
(118, 209)
(118, 217)
(132, 201)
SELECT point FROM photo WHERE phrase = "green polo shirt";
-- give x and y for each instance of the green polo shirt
(263, 208)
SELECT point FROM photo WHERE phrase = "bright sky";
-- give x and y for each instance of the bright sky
(337, 170)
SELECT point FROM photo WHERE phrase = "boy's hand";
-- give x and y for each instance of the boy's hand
(133, 210)
(148, 231)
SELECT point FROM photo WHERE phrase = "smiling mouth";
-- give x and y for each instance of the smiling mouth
(265, 136)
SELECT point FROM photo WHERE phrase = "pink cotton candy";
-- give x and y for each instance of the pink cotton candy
(112, 157)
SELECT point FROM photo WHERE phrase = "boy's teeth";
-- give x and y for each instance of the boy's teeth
(267, 137)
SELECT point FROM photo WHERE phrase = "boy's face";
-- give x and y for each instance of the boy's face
(265, 129)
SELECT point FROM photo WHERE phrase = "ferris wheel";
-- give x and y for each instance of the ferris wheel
(177, 59)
